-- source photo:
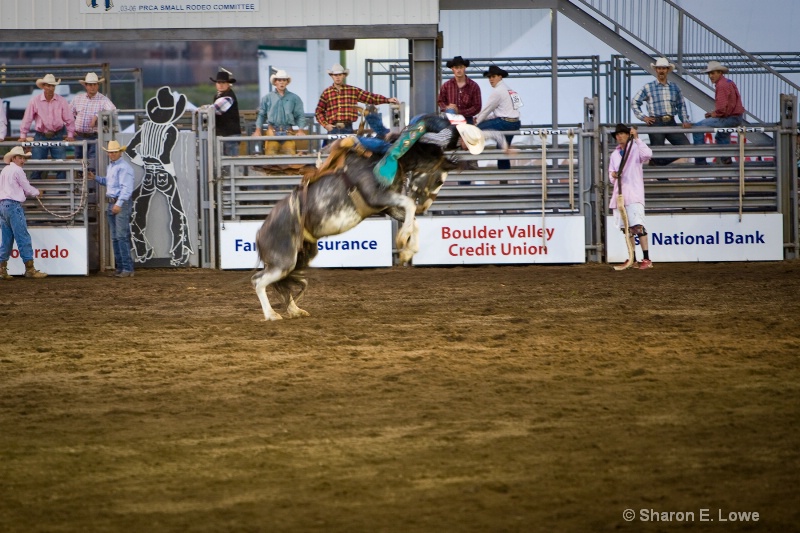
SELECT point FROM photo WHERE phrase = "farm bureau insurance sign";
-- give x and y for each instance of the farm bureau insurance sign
(167, 6)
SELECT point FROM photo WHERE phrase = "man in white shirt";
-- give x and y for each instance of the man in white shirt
(501, 111)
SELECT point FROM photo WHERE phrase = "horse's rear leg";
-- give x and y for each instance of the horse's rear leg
(295, 312)
(261, 280)
(406, 253)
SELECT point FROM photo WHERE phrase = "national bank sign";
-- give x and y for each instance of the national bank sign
(167, 6)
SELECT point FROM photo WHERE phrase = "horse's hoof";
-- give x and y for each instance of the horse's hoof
(272, 317)
(299, 313)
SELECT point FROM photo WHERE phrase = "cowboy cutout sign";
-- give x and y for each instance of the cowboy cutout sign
(151, 148)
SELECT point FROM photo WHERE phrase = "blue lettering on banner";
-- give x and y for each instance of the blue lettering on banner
(679, 239)
(346, 245)
(241, 246)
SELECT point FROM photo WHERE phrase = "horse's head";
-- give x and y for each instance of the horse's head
(429, 168)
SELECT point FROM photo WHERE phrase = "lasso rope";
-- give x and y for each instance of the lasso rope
(571, 171)
(543, 137)
(83, 197)
(742, 140)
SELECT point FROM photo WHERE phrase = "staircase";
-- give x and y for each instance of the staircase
(645, 29)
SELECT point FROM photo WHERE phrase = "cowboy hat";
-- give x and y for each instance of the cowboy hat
(91, 78)
(17, 150)
(48, 79)
(224, 76)
(662, 62)
(622, 128)
(494, 70)
(338, 69)
(280, 75)
(114, 146)
(472, 137)
(457, 61)
(715, 65)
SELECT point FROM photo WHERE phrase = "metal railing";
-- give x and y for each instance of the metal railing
(663, 28)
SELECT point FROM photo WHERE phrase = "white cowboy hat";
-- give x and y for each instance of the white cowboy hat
(17, 150)
(48, 79)
(280, 75)
(715, 65)
(91, 78)
(338, 69)
(663, 62)
(114, 146)
(472, 137)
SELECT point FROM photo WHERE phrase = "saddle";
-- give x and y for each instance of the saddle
(336, 155)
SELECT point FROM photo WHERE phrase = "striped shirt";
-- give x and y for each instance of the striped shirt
(727, 98)
(466, 98)
(85, 109)
(341, 105)
(50, 116)
(662, 99)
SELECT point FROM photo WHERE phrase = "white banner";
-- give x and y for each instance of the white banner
(497, 240)
(367, 245)
(689, 238)
(167, 6)
(56, 251)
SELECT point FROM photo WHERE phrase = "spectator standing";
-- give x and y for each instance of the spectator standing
(280, 111)
(664, 102)
(632, 177)
(14, 188)
(337, 108)
(460, 95)
(501, 112)
(728, 110)
(86, 108)
(226, 109)
(54, 122)
(119, 188)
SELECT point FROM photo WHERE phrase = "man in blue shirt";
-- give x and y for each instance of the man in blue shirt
(279, 113)
(664, 103)
(119, 188)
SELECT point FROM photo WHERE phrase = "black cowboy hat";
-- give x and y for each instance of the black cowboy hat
(622, 128)
(494, 70)
(457, 61)
(224, 75)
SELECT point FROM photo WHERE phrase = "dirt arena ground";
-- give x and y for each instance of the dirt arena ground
(516, 398)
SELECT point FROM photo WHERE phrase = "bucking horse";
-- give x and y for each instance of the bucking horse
(350, 186)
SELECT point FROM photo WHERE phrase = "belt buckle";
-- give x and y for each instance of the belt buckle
(340, 125)
(666, 118)
(49, 134)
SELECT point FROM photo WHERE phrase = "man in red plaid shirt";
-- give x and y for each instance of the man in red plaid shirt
(338, 104)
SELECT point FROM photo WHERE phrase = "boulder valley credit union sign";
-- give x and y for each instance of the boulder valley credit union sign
(167, 6)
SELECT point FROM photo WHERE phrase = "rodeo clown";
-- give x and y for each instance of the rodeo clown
(626, 164)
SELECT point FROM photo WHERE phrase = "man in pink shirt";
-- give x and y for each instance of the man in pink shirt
(632, 177)
(14, 188)
(54, 122)
(86, 107)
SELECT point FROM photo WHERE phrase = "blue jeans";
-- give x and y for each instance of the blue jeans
(14, 226)
(91, 149)
(119, 226)
(230, 148)
(721, 138)
(658, 139)
(499, 124)
(57, 152)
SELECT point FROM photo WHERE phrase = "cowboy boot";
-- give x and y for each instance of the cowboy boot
(4, 271)
(31, 272)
